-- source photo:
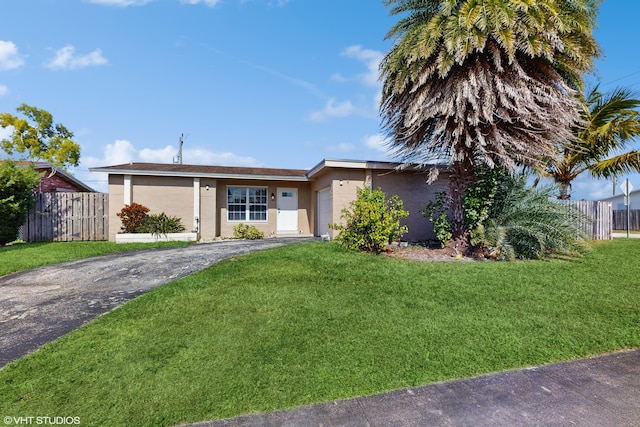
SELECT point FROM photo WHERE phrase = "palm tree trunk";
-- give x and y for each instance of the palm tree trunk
(460, 180)
(564, 191)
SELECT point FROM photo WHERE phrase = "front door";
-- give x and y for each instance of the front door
(287, 210)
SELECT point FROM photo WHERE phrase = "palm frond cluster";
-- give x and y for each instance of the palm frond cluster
(610, 121)
(485, 82)
(475, 83)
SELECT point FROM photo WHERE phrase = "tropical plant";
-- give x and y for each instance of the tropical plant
(249, 232)
(371, 221)
(610, 122)
(525, 222)
(38, 137)
(17, 184)
(484, 83)
(161, 224)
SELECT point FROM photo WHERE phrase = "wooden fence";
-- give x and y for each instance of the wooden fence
(620, 219)
(62, 217)
(600, 226)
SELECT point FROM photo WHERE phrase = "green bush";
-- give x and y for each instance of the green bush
(436, 212)
(249, 232)
(527, 223)
(161, 224)
(16, 198)
(371, 221)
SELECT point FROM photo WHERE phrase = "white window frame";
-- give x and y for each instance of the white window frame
(247, 204)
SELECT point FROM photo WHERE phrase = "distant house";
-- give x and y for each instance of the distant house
(212, 200)
(617, 201)
(56, 180)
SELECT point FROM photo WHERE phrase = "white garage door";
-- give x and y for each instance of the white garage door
(323, 211)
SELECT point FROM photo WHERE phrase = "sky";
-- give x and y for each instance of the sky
(261, 83)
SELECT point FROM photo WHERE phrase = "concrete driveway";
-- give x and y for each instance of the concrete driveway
(37, 306)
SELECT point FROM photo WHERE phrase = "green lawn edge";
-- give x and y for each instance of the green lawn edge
(25, 256)
(308, 323)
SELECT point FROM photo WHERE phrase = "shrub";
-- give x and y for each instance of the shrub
(249, 232)
(436, 212)
(527, 223)
(16, 198)
(480, 195)
(371, 221)
(161, 224)
(133, 217)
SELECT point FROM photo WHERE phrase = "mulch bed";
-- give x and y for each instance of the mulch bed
(421, 253)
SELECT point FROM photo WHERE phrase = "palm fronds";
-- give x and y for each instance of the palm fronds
(527, 223)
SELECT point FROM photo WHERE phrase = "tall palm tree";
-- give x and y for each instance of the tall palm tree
(610, 122)
(476, 83)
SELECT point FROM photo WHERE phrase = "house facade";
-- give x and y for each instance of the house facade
(618, 201)
(212, 200)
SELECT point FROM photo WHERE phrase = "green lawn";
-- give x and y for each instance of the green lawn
(310, 323)
(24, 256)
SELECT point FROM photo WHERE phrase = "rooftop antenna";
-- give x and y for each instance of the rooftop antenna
(178, 160)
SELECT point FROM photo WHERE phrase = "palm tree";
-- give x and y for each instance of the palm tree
(484, 83)
(610, 122)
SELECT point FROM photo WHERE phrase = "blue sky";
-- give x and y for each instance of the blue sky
(268, 83)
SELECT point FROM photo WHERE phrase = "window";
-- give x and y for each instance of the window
(246, 204)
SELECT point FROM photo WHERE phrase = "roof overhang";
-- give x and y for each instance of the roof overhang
(185, 174)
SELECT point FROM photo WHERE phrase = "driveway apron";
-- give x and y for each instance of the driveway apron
(40, 305)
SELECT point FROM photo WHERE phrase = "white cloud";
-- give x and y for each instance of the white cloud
(9, 56)
(66, 59)
(585, 187)
(210, 3)
(121, 3)
(343, 147)
(123, 151)
(278, 3)
(371, 58)
(3, 90)
(376, 142)
(333, 109)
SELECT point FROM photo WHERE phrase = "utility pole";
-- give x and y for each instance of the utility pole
(178, 159)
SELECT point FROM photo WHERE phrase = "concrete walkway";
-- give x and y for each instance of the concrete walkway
(596, 392)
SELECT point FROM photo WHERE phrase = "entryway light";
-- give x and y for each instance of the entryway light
(340, 183)
(206, 187)
(273, 196)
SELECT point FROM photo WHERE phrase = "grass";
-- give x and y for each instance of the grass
(309, 323)
(23, 256)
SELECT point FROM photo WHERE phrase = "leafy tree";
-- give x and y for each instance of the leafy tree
(37, 136)
(526, 222)
(484, 83)
(610, 122)
(371, 221)
(16, 197)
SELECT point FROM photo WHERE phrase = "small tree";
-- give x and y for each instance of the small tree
(16, 198)
(371, 221)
